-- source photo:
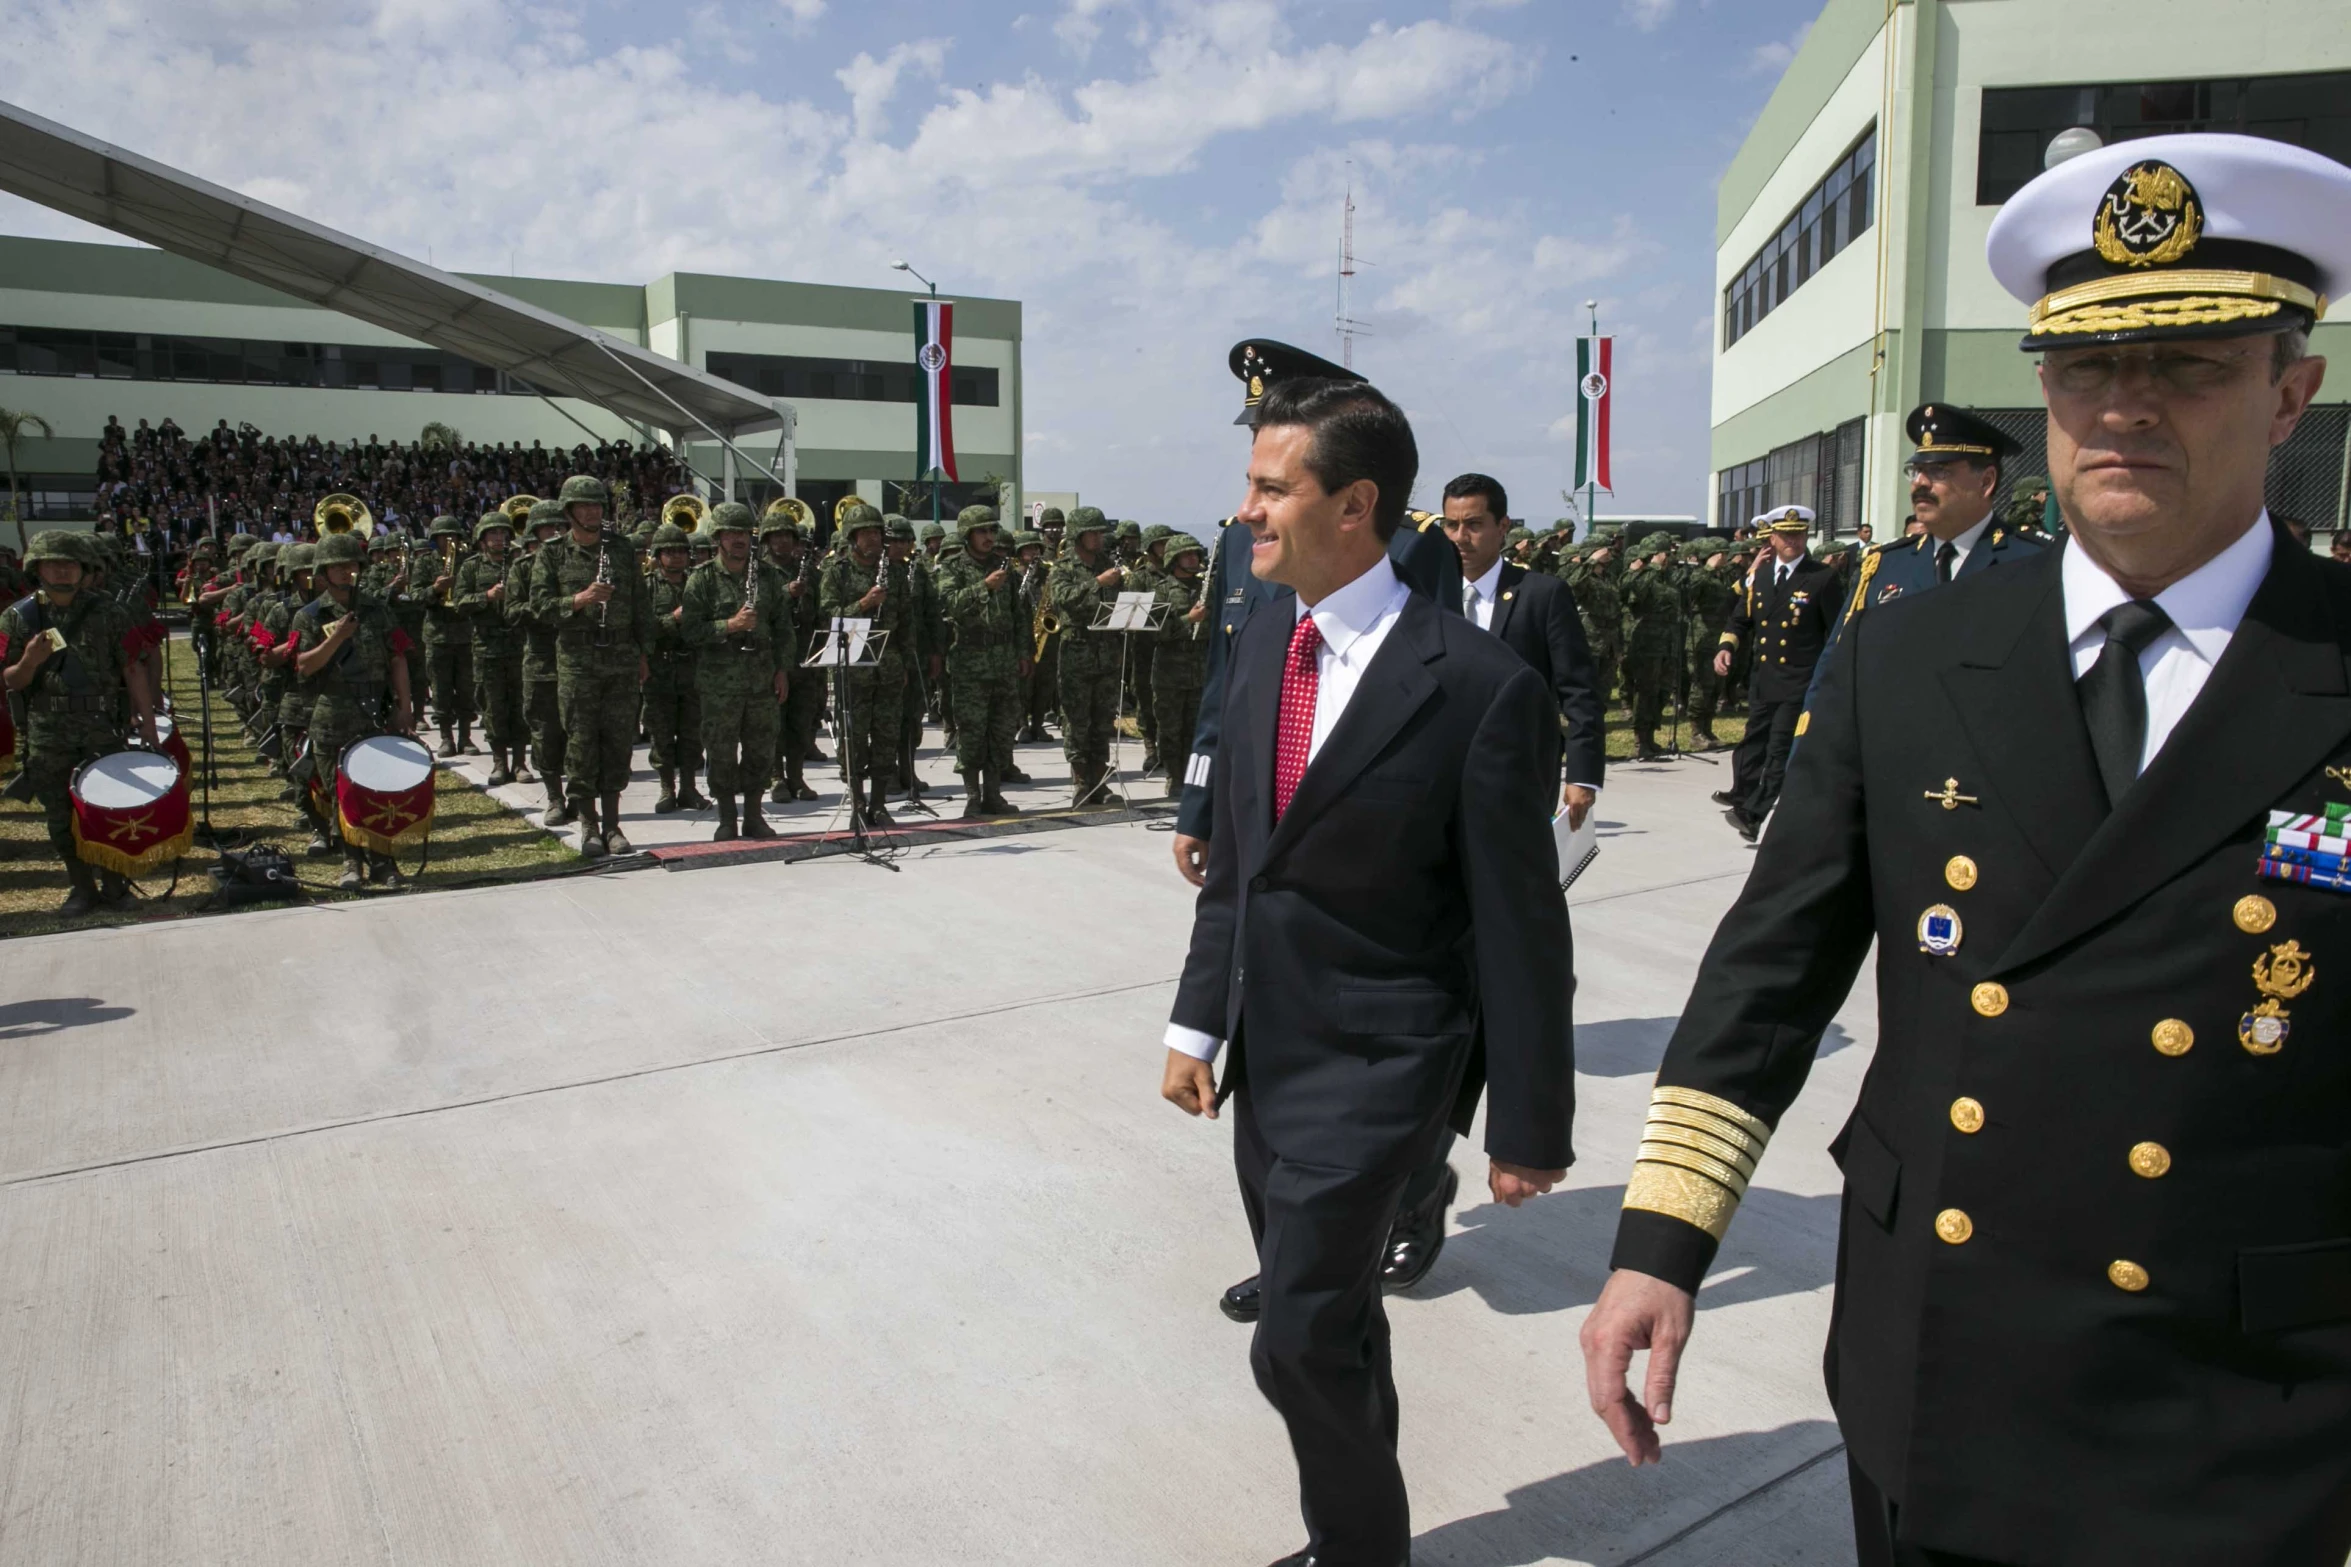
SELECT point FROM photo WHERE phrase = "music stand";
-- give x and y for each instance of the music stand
(850, 643)
(1130, 614)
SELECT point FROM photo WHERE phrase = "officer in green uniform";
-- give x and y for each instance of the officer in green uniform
(346, 649)
(1653, 647)
(795, 560)
(861, 582)
(1145, 576)
(737, 615)
(1084, 583)
(673, 698)
(1179, 660)
(479, 595)
(926, 647)
(1591, 578)
(448, 634)
(542, 712)
(1707, 591)
(979, 591)
(586, 585)
(296, 695)
(73, 694)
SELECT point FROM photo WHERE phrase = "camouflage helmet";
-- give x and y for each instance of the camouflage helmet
(583, 488)
(1022, 538)
(784, 514)
(858, 516)
(976, 516)
(547, 513)
(702, 542)
(1655, 544)
(59, 544)
(930, 530)
(264, 554)
(2029, 483)
(444, 525)
(669, 536)
(897, 527)
(490, 520)
(1129, 529)
(1088, 519)
(239, 543)
(1520, 535)
(298, 557)
(1182, 544)
(1051, 517)
(382, 542)
(341, 549)
(728, 516)
(1157, 531)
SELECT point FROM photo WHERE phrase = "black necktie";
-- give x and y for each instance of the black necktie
(1944, 559)
(2114, 693)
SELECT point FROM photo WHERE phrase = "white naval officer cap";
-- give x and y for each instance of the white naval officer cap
(1786, 519)
(2170, 237)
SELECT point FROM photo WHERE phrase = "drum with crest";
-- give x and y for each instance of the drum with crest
(130, 812)
(169, 742)
(384, 793)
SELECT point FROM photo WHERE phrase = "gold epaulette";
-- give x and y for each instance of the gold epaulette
(1869, 569)
(1696, 1157)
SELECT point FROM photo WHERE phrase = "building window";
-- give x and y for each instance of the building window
(1823, 472)
(1831, 216)
(157, 356)
(2018, 123)
(853, 380)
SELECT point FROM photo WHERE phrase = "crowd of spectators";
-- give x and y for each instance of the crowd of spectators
(164, 489)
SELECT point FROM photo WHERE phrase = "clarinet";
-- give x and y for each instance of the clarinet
(750, 599)
(603, 579)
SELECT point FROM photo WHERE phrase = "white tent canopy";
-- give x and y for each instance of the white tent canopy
(101, 184)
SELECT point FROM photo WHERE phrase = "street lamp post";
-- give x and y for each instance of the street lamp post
(900, 265)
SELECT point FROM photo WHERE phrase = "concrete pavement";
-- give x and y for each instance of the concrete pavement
(807, 1213)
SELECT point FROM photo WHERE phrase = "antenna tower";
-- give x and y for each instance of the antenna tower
(1344, 318)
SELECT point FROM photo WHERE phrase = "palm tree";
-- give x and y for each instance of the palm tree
(14, 426)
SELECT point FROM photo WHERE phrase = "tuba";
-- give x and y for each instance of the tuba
(792, 509)
(841, 506)
(341, 513)
(685, 512)
(519, 508)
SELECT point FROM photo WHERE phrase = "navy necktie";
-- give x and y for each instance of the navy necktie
(2114, 693)
(1946, 560)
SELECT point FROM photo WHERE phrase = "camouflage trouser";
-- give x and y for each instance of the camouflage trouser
(1139, 654)
(910, 716)
(1177, 704)
(869, 717)
(54, 745)
(596, 694)
(497, 684)
(797, 731)
(1044, 684)
(739, 736)
(544, 711)
(1605, 662)
(1089, 710)
(1705, 687)
(336, 721)
(1649, 678)
(985, 695)
(450, 666)
(673, 720)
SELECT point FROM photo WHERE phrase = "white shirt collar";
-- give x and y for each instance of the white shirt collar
(2205, 605)
(1349, 612)
(1489, 586)
(1966, 542)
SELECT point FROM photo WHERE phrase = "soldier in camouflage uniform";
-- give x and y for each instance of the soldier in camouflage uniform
(1084, 582)
(299, 695)
(1653, 644)
(673, 698)
(1145, 576)
(738, 618)
(1040, 687)
(861, 582)
(542, 710)
(926, 647)
(979, 590)
(2027, 512)
(479, 595)
(266, 588)
(1707, 591)
(243, 677)
(1179, 661)
(448, 633)
(346, 650)
(586, 585)
(1591, 578)
(795, 560)
(73, 698)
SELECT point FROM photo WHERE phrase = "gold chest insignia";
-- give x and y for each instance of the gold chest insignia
(2281, 974)
(2149, 217)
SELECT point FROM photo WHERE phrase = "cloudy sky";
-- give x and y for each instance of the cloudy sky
(1152, 178)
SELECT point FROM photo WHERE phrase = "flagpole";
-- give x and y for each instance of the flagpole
(933, 472)
(1592, 464)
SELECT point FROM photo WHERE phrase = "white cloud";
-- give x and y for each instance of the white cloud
(873, 83)
(1772, 58)
(1648, 15)
(802, 13)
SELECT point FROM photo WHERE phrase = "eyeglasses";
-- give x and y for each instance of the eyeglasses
(2174, 371)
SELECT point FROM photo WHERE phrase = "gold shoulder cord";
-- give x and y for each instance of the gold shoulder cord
(1869, 569)
(1696, 1157)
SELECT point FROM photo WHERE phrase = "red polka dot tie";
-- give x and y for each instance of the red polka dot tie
(1301, 677)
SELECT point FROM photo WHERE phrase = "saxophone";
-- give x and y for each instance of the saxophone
(1043, 624)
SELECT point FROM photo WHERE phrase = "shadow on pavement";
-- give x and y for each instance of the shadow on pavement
(33, 1019)
(1633, 1046)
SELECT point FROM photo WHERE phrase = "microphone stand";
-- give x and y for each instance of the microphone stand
(833, 653)
(206, 835)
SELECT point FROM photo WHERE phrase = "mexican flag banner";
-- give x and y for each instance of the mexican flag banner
(1594, 365)
(934, 401)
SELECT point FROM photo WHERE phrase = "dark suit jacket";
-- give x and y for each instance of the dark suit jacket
(1786, 623)
(1422, 556)
(1399, 937)
(2017, 1402)
(1535, 617)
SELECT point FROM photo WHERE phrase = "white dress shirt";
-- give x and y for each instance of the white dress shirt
(2205, 607)
(1353, 622)
(1964, 545)
(1477, 598)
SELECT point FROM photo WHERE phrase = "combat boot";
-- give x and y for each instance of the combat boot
(689, 797)
(1011, 773)
(781, 794)
(800, 788)
(975, 797)
(501, 770)
(83, 898)
(992, 796)
(669, 792)
(615, 841)
(354, 877)
(1645, 747)
(448, 743)
(754, 824)
(1704, 735)
(591, 841)
(112, 888)
(727, 832)
(384, 871)
(465, 739)
(876, 813)
(559, 811)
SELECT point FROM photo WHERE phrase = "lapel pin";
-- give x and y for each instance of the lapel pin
(1939, 930)
(1949, 797)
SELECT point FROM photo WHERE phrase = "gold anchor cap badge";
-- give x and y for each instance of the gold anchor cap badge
(1949, 797)
(2281, 974)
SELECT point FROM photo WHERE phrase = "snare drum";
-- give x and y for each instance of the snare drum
(168, 741)
(384, 793)
(130, 812)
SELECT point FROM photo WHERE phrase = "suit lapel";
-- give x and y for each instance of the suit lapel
(1263, 674)
(2013, 687)
(1392, 689)
(1506, 592)
(2274, 708)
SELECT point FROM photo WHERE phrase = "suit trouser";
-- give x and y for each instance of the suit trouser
(1874, 1520)
(1321, 1348)
(1771, 730)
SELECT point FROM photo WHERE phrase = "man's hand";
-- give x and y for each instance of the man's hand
(994, 579)
(1192, 859)
(873, 596)
(742, 620)
(1111, 578)
(1722, 662)
(148, 732)
(783, 685)
(1198, 612)
(403, 717)
(1513, 1184)
(441, 582)
(36, 654)
(344, 629)
(678, 613)
(1579, 801)
(644, 669)
(1189, 1085)
(593, 594)
(497, 592)
(1635, 1311)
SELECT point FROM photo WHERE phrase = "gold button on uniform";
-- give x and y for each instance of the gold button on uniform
(2151, 1160)
(1954, 1226)
(2255, 914)
(2126, 1276)
(1989, 998)
(2173, 1037)
(1960, 872)
(1967, 1115)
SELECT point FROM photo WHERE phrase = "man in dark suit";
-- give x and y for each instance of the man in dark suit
(1380, 937)
(2094, 1272)
(1784, 616)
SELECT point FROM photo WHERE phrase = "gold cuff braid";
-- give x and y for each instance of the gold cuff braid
(1697, 1154)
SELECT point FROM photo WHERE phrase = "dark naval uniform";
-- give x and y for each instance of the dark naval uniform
(1785, 623)
(1906, 568)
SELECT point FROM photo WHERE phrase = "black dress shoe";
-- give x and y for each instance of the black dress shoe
(1723, 797)
(1742, 823)
(1243, 1301)
(1416, 1238)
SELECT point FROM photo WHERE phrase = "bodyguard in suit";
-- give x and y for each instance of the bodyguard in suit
(2094, 1270)
(1784, 616)
(1380, 938)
